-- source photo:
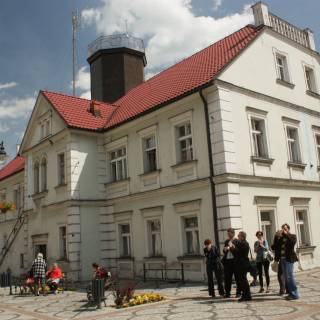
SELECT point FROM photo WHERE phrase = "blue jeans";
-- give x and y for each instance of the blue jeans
(287, 269)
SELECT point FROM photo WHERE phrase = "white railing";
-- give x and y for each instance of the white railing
(288, 30)
(115, 41)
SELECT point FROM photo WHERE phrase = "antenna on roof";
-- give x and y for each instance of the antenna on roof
(126, 25)
(75, 24)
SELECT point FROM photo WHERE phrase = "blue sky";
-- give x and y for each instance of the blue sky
(35, 41)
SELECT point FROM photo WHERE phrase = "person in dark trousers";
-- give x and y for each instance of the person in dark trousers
(286, 255)
(240, 249)
(281, 279)
(261, 247)
(229, 264)
(213, 265)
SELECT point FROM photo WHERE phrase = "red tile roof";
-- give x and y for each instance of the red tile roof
(185, 77)
(75, 111)
(14, 166)
(177, 81)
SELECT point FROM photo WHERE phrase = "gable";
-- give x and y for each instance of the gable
(256, 69)
(44, 122)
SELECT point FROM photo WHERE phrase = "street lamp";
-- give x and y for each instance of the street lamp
(3, 154)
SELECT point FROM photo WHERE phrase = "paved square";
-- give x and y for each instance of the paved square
(182, 302)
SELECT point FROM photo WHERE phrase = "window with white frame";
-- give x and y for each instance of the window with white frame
(63, 242)
(317, 138)
(154, 237)
(302, 227)
(259, 137)
(184, 142)
(293, 144)
(44, 174)
(118, 164)
(36, 177)
(282, 67)
(149, 153)
(125, 240)
(191, 233)
(61, 169)
(267, 224)
(310, 79)
(3, 195)
(44, 128)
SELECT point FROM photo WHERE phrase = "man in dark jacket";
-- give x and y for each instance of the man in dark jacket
(286, 256)
(229, 263)
(240, 249)
(213, 264)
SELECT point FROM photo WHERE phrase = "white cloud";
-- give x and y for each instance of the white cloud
(216, 4)
(169, 27)
(8, 85)
(83, 82)
(16, 108)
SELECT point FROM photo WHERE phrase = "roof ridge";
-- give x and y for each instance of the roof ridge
(79, 98)
(189, 57)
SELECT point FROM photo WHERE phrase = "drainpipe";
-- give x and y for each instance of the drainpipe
(212, 184)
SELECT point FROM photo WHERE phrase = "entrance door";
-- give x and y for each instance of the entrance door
(40, 248)
(267, 224)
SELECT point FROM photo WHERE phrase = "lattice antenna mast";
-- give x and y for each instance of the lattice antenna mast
(75, 24)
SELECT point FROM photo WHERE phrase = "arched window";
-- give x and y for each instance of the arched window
(43, 174)
(36, 176)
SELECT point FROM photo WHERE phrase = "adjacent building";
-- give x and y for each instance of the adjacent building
(229, 137)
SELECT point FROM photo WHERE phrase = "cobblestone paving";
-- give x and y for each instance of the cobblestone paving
(182, 302)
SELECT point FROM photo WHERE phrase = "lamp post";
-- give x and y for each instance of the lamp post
(3, 154)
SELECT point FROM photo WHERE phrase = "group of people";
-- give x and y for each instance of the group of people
(39, 276)
(235, 263)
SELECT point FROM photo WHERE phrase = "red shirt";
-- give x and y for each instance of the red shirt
(55, 273)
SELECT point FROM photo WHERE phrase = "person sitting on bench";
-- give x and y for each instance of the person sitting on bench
(54, 276)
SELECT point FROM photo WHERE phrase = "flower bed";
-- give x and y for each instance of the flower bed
(145, 298)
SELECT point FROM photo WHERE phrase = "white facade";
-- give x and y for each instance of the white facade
(140, 193)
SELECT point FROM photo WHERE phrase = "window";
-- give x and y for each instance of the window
(259, 138)
(191, 235)
(310, 79)
(302, 227)
(125, 240)
(3, 195)
(184, 141)
(293, 144)
(118, 164)
(61, 169)
(267, 224)
(44, 128)
(282, 68)
(44, 174)
(150, 153)
(317, 137)
(63, 242)
(155, 242)
(36, 177)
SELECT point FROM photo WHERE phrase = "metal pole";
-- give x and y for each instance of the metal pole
(74, 56)
(9, 282)
(144, 272)
(182, 273)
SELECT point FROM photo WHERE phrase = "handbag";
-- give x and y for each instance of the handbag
(269, 255)
(275, 266)
(219, 265)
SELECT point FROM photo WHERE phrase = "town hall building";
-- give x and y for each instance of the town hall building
(139, 176)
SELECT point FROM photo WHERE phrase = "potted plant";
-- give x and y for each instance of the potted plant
(7, 206)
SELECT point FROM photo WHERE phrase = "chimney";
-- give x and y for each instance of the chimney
(116, 65)
(261, 14)
(310, 35)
